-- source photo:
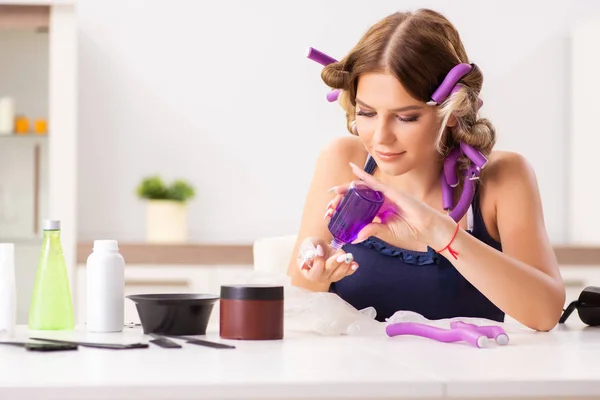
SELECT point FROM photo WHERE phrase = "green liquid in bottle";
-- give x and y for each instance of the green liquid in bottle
(51, 304)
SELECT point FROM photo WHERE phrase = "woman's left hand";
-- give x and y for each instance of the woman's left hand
(402, 217)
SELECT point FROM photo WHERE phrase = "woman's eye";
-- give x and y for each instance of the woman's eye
(409, 119)
(364, 114)
(412, 118)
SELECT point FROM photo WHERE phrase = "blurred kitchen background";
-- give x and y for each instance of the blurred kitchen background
(220, 95)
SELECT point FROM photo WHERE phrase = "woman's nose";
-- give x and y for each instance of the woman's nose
(383, 133)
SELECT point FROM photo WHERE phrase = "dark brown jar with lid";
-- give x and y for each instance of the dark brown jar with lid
(251, 312)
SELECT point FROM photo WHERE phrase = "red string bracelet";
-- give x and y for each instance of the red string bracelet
(453, 252)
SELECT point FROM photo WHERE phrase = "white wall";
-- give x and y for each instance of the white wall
(584, 221)
(25, 54)
(221, 93)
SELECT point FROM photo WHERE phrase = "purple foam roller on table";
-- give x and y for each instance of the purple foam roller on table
(441, 335)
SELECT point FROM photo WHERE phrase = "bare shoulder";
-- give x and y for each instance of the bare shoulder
(333, 167)
(507, 176)
(345, 149)
(506, 166)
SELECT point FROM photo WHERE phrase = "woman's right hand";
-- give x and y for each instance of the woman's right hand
(320, 263)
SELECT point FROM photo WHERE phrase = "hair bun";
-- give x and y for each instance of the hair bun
(335, 76)
(483, 134)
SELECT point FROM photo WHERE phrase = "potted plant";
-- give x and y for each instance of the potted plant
(166, 209)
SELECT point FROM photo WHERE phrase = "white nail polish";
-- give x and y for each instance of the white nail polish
(341, 258)
(320, 251)
(349, 258)
(354, 267)
(329, 204)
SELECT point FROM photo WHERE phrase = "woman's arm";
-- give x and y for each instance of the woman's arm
(524, 279)
(331, 170)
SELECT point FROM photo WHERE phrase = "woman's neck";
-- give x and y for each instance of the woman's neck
(421, 183)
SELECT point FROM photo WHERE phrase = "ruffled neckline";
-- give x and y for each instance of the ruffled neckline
(408, 256)
(414, 257)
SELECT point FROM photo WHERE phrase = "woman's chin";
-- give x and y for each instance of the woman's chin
(393, 168)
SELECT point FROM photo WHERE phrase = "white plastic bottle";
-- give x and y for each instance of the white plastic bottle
(105, 276)
(7, 115)
(8, 290)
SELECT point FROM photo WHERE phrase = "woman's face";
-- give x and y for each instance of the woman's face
(397, 130)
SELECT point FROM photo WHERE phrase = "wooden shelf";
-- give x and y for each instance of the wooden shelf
(36, 2)
(217, 254)
(25, 136)
(30, 17)
(179, 254)
(573, 255)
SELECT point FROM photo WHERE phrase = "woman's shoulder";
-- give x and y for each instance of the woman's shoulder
(506, 166)
(341, 151)
(507, 176)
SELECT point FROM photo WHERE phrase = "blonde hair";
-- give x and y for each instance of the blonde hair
(420, 49)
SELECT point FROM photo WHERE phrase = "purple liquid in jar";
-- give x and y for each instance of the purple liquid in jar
(357, 209)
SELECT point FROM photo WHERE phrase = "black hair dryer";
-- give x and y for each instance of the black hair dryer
(587, 306)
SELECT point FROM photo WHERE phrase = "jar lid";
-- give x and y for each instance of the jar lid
(51, 225)
(251, 292)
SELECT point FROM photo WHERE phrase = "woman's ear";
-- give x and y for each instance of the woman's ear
(452, 121)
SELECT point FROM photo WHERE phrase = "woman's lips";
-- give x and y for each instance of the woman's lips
(388, 156)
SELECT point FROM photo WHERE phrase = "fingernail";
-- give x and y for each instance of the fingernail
(357, 240)
(347, 258)
(327, 214)
(353, 165)
(354, 267)
(320, 251)
(332, 189)
(329, 204)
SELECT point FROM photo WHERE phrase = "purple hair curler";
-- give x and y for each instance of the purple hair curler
(466, 197)
(450, 179)
(333, 95)
(468, 335)
(320, 57)
(324, 59)
(449, 83)
(474, 155)
(491, 331)
(450, 167)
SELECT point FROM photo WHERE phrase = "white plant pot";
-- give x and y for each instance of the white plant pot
(166, 221)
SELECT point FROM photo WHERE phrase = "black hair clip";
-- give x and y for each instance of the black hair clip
(587, 306)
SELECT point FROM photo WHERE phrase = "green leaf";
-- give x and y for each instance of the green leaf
(154, 188)
(181, 191)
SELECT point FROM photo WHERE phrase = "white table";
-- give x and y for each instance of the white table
(563, 363)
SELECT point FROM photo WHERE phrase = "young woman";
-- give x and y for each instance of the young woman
(496, 259)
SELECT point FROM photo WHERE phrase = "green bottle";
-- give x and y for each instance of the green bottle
(51, 305)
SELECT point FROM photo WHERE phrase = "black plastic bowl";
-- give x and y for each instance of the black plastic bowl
(174, 313)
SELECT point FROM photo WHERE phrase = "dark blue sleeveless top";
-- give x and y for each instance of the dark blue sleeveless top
(392, 279)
